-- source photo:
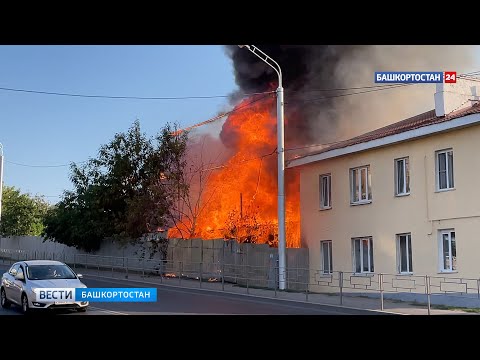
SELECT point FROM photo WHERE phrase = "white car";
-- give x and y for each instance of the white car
(20, 282)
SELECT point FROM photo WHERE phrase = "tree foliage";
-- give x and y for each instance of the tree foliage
(123, 193)
(22, 214)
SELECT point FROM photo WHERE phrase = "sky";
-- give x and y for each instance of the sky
(47, 130)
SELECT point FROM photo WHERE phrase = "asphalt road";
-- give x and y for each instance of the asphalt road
(190, 301)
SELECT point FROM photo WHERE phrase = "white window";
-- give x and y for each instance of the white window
(402, 177)
(444, 169)
(325, 191)
(362, 255)
(360, 189)
(326, 256)
(404, 253)
(448, 251)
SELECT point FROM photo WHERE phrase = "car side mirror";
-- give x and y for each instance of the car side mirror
(20, 276)
(80, 276)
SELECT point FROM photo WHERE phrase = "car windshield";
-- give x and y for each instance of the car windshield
(44, 272)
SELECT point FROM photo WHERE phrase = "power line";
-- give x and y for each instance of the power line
(371, 89)
(218, 117)
(349, 94)
(470, 73)
(380, 88)
(312, 145)
(42, 92)
(222, 115)
(374, 87)
(261, 157)
(344, 89)
(127, 97)
(42, 166)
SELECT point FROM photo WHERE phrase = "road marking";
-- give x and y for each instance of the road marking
(108, 311)
(218, 293)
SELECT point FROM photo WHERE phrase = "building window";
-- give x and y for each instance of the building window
(325, 191)
(363, 255)
(326, 256)
(448, 251)
(402, 177)
(404, 253)
(444, 165)
(360, 180)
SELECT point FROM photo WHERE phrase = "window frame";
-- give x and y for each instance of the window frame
(447, 168)
(328, 178)
(358, 183)
(20, 268)
(406, 178)
(371, 262)
(409, 255)
(441, 259)
(328, 271)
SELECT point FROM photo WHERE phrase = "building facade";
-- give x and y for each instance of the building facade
(404, 199)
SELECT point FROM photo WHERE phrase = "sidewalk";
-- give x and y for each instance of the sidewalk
(357, 302)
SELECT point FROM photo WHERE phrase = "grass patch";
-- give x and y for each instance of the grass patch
(416, 303)
(447, 307)
(302, 292)
(458, 308)
(254, 287)
(471, 310)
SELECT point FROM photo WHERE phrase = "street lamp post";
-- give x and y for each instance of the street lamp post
(281, 164)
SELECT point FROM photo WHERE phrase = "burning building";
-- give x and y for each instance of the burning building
(236, 196)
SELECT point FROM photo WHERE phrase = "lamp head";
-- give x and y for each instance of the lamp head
(246, 46)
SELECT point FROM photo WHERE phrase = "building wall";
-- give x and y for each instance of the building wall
(422, 213)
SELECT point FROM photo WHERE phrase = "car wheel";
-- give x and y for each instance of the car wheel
(82, 309)
(25, 307)
(3, 298)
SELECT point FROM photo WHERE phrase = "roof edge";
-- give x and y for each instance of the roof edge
(408, 135)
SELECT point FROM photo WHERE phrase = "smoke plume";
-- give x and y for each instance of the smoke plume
(313, 115)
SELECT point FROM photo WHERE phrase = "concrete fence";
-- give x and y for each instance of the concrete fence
(254, 265)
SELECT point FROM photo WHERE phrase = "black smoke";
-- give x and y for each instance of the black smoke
(307, 70)
(313, 116)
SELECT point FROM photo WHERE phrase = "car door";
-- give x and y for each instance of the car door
(18, 285)
(9, 281)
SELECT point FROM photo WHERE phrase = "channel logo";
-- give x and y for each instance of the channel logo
(54, 294)
(415, 77)
(57, 295)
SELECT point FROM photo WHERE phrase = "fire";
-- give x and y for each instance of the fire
(239, 200)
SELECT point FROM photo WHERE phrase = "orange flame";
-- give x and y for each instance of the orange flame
(240, 198)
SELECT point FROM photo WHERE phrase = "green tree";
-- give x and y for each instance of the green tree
(123, 193)
(22, 214)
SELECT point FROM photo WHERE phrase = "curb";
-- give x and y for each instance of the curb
(254, 296)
